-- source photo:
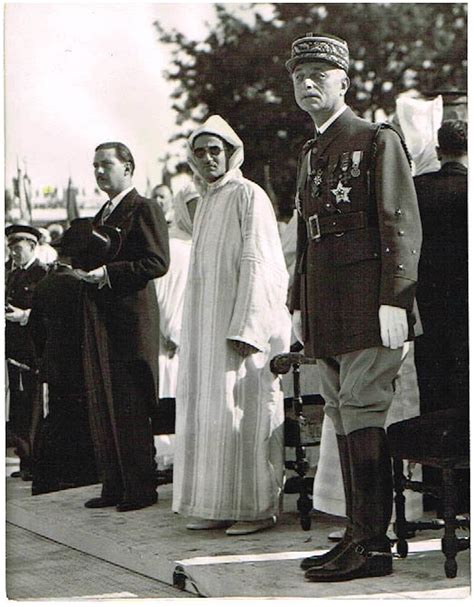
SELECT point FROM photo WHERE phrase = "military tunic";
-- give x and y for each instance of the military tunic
(24, 413)
(359, 236)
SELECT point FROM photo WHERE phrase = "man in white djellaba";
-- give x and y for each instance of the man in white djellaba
(228, 470)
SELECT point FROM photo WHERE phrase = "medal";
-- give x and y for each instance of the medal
(356, 158)
(341, 193)
(316, 183)
(344, 162)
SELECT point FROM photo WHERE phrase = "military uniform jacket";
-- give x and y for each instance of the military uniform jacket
(359, 236)
(20, 285)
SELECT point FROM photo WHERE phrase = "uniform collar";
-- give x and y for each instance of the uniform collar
(26, 266)
(323, 127)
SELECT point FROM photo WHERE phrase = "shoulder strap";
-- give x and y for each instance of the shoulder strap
(301, 175)
(378, 126)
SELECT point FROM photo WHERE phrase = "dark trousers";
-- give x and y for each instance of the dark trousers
(64, 454)
(25, 414)
(442, 357)
(123, 441)
(442, 366)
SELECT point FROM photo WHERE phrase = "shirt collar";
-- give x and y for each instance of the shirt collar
(117, 199)
(26, 266)
(330, 120)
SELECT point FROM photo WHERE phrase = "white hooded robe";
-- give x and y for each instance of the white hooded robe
(229, 410)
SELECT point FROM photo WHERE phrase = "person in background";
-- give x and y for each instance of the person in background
(23, 272)
(442, 353)
(121, 335)
(55, 230)
(170, 295)
(44, 251)
(164, 197)
(353, 303)
(228, 468)
(64, 454)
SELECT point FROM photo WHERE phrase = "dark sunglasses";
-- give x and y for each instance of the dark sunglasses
(214, 150)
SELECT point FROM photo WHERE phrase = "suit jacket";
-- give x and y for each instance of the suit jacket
(56, 327)
(443, 271)
(343, 278)
(129, 307)
(20, 285)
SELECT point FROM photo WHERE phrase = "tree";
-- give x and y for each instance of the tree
(239, 71)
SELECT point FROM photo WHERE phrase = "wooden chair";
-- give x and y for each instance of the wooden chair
(300, 431)
(441, 440)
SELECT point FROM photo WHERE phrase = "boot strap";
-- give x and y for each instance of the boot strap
(362, 551)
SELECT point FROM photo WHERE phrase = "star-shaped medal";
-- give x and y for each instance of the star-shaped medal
(341, 193)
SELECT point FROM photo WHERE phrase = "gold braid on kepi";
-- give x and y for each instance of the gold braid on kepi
(319, 47)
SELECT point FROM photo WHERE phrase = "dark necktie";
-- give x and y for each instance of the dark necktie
(106, 211)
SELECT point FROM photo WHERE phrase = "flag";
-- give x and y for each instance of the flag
(28, 196)
(71, 202)
(148, 188)
(22, 196)
(166, 176)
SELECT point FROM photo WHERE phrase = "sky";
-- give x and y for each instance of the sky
(80, 74)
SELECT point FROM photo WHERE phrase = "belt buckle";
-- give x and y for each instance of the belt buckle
(314, 229)
(339, 234)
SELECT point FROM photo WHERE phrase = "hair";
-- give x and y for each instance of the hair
(452, 137)
(162, 185)
(121, 151)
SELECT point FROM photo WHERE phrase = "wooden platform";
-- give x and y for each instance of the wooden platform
(154, 542)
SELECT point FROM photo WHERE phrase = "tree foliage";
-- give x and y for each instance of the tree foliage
(239, 71)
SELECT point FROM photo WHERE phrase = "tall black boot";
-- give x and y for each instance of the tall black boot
(368, 554)
(317, 561)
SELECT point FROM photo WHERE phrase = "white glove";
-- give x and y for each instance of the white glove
(14, 314)
(393, 326)
(297, 325)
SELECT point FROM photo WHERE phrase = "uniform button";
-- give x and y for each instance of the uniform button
(398, 212)
(387, 250)
(376, 254)
(401, 232)
(334, 223)
(401, 266)
(328, 205)
(413, 251)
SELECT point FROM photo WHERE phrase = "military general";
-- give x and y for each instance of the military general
(353, 300)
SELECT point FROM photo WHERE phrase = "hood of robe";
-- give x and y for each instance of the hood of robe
(215, 125)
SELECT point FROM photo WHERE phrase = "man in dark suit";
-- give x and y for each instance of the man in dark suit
(22, 273)
(121, 349)
(359, 237)
(441, 354)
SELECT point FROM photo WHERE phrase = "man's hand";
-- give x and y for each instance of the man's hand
(14, 314)
(94, 276)
(242, 348)
(297, 326)
(393, 326)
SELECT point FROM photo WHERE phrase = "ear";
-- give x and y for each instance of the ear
(345, 84)
(128, 168)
